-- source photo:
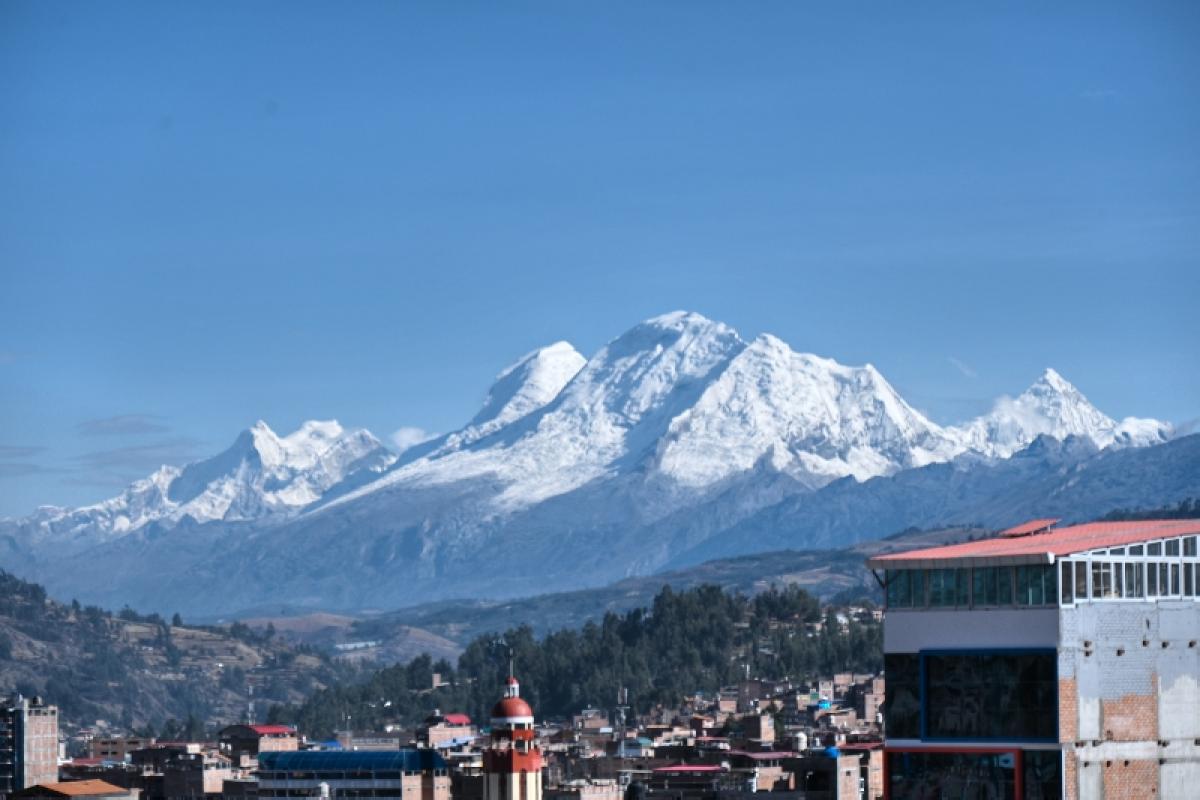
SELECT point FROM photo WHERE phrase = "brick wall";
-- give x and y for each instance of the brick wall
(1130, 780)
(1131, 717)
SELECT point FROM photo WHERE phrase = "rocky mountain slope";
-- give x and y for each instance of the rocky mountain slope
(676, 440)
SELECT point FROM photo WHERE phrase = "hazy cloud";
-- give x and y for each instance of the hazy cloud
(122, 425)
(142, 457)
(8, 451)
(19, 469)
(962, 367)
(405, 438)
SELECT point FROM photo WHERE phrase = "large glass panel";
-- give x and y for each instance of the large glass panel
(1036, 585)
(1189, 546)
(1154, 549)
(964, 690)
(947, 587)
(1133, 579)
(1174, 579)
(1135, 550)
(1172, 547)
(1189, 586)
(1102, 582)
(1043, 774)
(902, 706)
(1067, 584)
(1004, 586)
(1081, 579)
(956, 775)
(916, 578)
(898, 591)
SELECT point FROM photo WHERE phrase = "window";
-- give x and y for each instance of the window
(1101, 579)
(1081, 579)
(1189, 546)
(1067, 583)
(947, 587)
(1154, 549)
(1133, 580)
(1135, 550)
(991, 586)
(1189, 586)
(1037, 585)
(964, 690)
(1043, 774)
(902, 703)
(964, 774)
(1172, 547)
(905, 588)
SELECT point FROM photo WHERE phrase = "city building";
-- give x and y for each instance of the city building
(439, 729)
(512, 763)
(28, 744)
(413, 774)
(250, 740)
(1045, 662)
(117, 748)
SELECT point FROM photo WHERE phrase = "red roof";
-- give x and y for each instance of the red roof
(511, 707)
(1040, 548)
(272, 730)
(1033, 526)
(457, 719)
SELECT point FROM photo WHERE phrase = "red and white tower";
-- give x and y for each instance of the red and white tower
(512, 764)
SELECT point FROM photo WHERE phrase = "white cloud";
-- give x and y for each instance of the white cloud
(962, 367)
(407, 437)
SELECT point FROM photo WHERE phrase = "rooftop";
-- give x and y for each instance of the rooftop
(87, 788)
(1016, 547)
(351, 760)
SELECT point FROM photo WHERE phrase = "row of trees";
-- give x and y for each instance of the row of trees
(688, 641)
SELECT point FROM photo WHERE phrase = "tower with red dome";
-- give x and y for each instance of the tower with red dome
(512, 764)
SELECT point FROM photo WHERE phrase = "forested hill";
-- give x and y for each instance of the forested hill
(143, 672)
(694, 640)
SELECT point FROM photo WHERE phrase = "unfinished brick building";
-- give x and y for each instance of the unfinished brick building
(1046, 662)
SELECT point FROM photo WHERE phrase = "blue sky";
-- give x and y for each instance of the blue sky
(216, 212)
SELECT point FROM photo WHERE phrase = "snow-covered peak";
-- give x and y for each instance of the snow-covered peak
(1052, 406)
(811, 416)
(260, 474)
(528, 384)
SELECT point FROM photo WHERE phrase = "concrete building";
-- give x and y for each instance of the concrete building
(401, 775)
(117, 748)
(28, 744)
(1046, 662)
(250, 740)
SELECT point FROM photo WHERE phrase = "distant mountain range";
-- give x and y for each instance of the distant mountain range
(677, 442)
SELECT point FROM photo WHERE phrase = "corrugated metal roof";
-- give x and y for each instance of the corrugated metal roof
(82, 788)
(351, 760)
(1033, 526)
(1039, 548)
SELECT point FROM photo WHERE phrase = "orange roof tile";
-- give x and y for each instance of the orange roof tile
(82, 788)
(1039, 548)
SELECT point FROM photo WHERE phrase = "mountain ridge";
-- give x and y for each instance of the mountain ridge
(672, 434)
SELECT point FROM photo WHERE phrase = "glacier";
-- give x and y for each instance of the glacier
(671, 439)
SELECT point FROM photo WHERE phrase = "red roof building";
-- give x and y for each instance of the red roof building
(1045, 662)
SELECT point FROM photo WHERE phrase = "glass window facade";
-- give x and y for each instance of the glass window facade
(958, 775)
(963, 691)
(1167, 568)
(902, 706)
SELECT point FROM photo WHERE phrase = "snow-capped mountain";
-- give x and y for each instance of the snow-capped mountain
(574, 471)
(1052, 406)
(260, 475)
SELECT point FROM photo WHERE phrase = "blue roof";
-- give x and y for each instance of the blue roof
(347, 760)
